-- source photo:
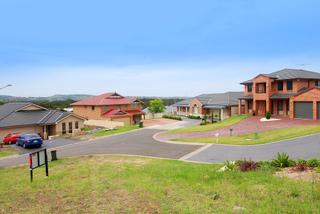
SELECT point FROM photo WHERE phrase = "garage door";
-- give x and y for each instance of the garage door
(303, 110)
(318, 111)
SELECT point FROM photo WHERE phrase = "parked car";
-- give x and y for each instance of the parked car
(11, 138)
(29, 140)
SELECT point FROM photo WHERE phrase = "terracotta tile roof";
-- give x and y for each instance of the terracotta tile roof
(121, 113)
(106, 99)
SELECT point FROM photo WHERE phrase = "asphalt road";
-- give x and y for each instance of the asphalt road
(299, 148)
(139, 142)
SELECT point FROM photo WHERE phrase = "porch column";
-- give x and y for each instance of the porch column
(254, 106)
(291, 108)
(268, 105)
(284, 103)
(239, 106)
(221, 114)
(315, 106)
(45, 132)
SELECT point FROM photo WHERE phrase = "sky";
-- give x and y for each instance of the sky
(152, 48)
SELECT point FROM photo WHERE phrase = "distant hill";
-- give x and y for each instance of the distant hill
(58, 97)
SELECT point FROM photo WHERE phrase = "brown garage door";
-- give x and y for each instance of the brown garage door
(303, 110)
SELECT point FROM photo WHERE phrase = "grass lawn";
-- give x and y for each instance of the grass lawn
(116, 131)
(7, 151)
(211, 127)
(259, 138)
(110, 184)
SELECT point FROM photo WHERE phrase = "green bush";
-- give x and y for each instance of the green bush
(318, 170)
(301, 161)
(194, 117)
(203, 123)
(268, 115)
(313, 163)
(172, 117)
(282, 160)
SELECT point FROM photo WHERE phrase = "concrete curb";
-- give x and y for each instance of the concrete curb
(155, 137)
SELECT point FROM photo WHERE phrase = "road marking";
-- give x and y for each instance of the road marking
(187, 156)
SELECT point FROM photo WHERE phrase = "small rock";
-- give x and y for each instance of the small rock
(238, 208)
(215, 196)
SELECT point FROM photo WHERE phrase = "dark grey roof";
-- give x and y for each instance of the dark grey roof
(248, 97)
(35, 117)
(220, 99)
(282, 95)
(8, 108)
(185, 102)
(287, 74)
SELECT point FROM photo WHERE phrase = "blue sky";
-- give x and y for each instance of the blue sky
(161, 48)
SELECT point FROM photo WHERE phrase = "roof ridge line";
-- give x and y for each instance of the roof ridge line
(47, 115)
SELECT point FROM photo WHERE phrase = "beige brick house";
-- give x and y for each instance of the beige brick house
(23, 118)
(110, 106)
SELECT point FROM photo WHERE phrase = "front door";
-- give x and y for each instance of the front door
(261, 107)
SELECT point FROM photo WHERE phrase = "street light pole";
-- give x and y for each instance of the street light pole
(9, 85)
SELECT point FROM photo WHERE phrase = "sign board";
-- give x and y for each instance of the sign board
(37, 159)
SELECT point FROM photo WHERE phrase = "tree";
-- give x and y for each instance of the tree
(156, 106)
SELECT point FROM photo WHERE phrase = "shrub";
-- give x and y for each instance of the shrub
(267, 165)
(268, 115)
(313, 163)
(301, 161)
(300, 167)
(282, 160)
(172, 117)
(203, 123)
(318, 170)
(194, 117)
(245, 166)
(228, 166)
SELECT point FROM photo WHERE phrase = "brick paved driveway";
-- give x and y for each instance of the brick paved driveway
(247, 126)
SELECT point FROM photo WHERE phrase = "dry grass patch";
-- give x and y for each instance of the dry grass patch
(307, 175)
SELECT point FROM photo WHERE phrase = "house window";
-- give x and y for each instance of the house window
(92, 108)
(76, 125)
(280, 105)
(289, 85)
(317, 83)
(70, 127)
(64, 130)
(261, 88)
(249, 87)
(280, 86)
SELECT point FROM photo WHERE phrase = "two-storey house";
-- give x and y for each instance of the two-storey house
(110, 106)
(291, 93)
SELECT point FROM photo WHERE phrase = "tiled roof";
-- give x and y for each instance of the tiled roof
(120, 112)
(282, 95)
(106, 99)
(214, 99)
(220, 99)
(33, 117)
(288, 74)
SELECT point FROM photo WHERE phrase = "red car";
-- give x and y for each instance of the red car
(11, 138)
